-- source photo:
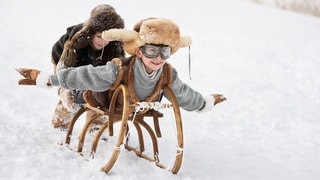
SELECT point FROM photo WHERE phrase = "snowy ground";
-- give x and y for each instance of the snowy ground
(264, 60)
(311, 7)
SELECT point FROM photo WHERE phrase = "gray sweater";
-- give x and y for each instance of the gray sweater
(101, 78)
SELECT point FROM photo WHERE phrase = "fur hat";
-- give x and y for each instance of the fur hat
(101, 8)
(102, 17)
(149, 31)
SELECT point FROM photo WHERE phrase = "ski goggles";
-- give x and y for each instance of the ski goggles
(153, 51)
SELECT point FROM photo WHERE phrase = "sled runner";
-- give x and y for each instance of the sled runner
(120, 112)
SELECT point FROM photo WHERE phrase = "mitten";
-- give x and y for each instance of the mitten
(34, 77)
(212, 100)
(218, 98)
(30, 76)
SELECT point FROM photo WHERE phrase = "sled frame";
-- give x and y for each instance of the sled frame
(123, 115)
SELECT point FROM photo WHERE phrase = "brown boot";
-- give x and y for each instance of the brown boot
(61, 117)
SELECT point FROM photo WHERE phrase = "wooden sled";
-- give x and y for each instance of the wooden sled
(135, 113)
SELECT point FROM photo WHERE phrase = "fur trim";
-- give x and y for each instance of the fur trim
(209, 103)
(120, 34)
(43, 79)
(130, 82)
(101, 8)
(150, 31)
(118, 63)
(103, 17)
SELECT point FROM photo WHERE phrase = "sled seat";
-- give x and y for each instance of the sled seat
(135, 113)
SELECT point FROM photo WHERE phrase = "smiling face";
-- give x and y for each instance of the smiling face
(150, 64)
(98, 42)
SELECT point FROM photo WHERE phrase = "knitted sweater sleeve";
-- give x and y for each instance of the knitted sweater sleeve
(187, 98)
(98, 78)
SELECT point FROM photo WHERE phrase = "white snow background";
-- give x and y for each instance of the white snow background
(264, 60)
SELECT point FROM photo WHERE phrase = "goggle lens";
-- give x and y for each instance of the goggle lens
(153, 51)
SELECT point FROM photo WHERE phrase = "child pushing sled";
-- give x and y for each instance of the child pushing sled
(146, 73)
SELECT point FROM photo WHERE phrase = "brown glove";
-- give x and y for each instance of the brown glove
(218, 98)
(30, 76)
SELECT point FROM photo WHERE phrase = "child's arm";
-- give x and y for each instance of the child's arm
(191, 100)
(88, 77)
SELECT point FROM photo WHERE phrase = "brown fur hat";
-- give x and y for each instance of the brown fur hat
(102, 17)
(149, 31)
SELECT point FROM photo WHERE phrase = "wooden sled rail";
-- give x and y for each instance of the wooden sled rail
(135, 113)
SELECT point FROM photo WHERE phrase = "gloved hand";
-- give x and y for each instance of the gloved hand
(218, 98)
(212, 100)
(30, 76)
(34, 77)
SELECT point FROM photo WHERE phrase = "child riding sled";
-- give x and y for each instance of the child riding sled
(145, 72)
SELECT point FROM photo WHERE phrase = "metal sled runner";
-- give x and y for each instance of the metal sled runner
(118, 128)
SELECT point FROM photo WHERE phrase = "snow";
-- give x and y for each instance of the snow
(264, 60)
